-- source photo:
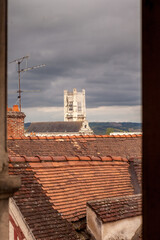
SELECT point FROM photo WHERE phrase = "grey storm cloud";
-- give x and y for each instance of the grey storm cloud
(91, 44)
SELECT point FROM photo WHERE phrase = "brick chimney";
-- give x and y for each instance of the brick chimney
(15, 122)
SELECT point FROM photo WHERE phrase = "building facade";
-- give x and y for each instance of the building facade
(74, 105)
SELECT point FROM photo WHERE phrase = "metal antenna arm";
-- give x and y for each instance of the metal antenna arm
(19, 59)
(30, 68)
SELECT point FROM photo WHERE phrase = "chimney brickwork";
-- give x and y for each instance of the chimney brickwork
(15, 122)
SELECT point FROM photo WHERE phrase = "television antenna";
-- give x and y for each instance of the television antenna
(19, 61)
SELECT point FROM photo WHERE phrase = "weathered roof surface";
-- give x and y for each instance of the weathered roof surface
(44, 221)
(117, 208)
(92, 145)
(44, 127)
(138, 169)
(67, 183)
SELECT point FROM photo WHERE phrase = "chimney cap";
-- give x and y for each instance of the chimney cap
(15, 108)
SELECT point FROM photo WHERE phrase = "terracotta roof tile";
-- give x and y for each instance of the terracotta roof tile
(71, 146)
(71, 183)
(117, 158)
(129, 136)
(59, 158)
(75, 158)
(134, 135)
(17, 159)
(113, 209)
(32, 159)
(83, 158)
(23, 137)
(44, 221)
(33, 137)
(108, 158)
(95, 158)
(106, 136)
(78, 136)
(44, 158)
(50, 137)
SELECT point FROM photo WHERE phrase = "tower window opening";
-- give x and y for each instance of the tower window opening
(70, 106)
(79, 107)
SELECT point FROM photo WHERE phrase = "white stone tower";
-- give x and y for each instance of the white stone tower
(74, 105)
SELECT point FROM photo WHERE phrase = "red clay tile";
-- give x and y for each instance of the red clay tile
(83, 158)
(16, 159)
(108, 158)
(95, 158)
(71, 137)
(86, 136)
(65, 137)
(59, 158)
(75, 158)
(128, 136)
(23, 137)
(106, 136)
(42, 137)
(57, 137)
(32, 159)
(91, 136)
(50, 137)
(60, 164)
(125, 159)
(123, 136)
(117, 158)
(17, 138)
(10, 165)
(10, 137)
(134, 135)
(35, 164)
(33, 137)
(101, 146)
(45, 158)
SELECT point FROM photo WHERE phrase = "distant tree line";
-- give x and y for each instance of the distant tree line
(103, 128)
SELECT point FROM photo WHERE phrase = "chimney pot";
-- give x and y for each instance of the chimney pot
(15, 108)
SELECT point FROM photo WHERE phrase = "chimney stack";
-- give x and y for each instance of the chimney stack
(15, 122)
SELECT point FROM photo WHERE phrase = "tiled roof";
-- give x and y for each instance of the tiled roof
(113, 209)
(41, 127)
(92, 145)
(67, 183)
(138, 169)
(44, 221)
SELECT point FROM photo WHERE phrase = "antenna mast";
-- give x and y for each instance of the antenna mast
(19, 61)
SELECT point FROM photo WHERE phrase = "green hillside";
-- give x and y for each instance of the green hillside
(103, 128)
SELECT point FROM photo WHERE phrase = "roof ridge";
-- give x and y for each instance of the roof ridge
(73, 136)
(131, 196)
(65, 158)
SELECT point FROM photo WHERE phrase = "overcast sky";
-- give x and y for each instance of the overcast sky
(90, 44)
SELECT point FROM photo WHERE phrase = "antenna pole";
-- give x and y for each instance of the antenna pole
(19, 85)
(19, 61)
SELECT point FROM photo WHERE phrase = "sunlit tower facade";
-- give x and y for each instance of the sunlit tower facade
(74, 105)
